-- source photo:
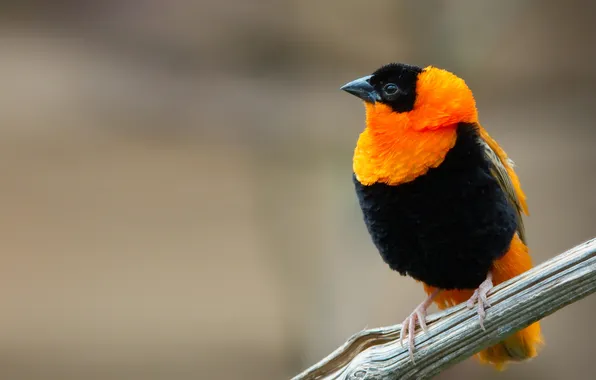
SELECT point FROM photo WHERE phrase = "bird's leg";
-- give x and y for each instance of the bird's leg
(408, 326)
(480, 296)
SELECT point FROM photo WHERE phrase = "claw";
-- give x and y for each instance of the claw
(408, 326)
(480, 295)
(404, 331)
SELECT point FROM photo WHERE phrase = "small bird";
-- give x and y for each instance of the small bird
(439, 196)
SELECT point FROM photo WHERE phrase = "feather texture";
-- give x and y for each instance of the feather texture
(502, 170)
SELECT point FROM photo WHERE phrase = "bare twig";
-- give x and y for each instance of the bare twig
(455, 334)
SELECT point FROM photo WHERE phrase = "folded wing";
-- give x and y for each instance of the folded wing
(502, 170)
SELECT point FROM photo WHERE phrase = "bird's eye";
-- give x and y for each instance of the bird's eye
(390, 89)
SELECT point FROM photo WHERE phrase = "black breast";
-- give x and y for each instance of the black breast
(446, 227)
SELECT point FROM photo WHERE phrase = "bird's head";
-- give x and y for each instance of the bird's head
(400, 95)
(411, 121)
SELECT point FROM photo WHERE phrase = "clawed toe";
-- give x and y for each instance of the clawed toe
(408, 329)
(480, 296)
(408, 326)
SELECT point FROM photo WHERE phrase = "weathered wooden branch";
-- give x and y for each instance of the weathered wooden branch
(455, 334)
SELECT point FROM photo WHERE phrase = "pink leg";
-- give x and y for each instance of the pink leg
(480, 296)
(408, 326)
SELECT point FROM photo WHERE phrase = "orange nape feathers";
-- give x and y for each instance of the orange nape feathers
(519, 346)
(396, 147)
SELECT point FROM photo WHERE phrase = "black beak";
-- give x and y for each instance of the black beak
(361, 88)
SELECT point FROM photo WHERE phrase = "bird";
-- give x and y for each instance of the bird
(440, 198)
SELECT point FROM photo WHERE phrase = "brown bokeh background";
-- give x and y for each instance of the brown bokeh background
(176, 194)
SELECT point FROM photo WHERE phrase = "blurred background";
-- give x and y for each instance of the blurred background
(176, 186)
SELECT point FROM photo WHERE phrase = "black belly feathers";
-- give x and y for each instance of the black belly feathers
(446, 227)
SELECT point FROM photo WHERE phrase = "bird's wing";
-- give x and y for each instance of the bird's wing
(502, 170)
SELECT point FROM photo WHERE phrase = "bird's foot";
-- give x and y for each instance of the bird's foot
(480, 296)
(408, 326)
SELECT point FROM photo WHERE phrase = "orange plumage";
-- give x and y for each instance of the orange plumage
(440, 197)
(398, 147)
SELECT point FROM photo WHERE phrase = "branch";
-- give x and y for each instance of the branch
(454, 334)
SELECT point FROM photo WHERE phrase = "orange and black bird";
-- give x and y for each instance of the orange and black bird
(439, 196)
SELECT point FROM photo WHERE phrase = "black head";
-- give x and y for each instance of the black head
(393, 84)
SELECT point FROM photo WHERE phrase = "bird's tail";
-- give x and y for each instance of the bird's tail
(521, 345)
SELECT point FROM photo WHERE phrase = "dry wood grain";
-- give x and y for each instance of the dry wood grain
(455, 334)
